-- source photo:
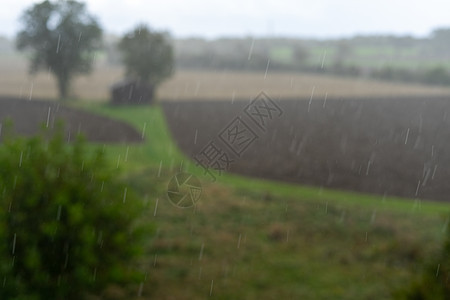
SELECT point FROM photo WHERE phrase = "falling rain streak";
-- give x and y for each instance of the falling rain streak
(311, 97)
(59, 41)
(156, 207)
(125, 194)
(143, 130)
(267, 68)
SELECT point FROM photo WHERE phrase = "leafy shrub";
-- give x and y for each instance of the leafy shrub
(67, 226)
(434, 281)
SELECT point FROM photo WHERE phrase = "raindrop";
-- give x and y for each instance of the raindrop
(48, 116)
(267, 68)
(126, 154)
(368, 167)
(323, 58)
(211, 289)
(239, 241)
(59, 41)
(417, 189)
(31, 91)
(434, 172)
(311, 97)
(14, 244)
(141, 286)
(58, 215)
(372, 218)
(250, 52)
(325, 100)
(125, 195)
(200, 256)
(156, 207)
(160, 166)
(21, 158)
(143, 130)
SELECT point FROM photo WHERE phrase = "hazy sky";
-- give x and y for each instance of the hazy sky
(213, 18)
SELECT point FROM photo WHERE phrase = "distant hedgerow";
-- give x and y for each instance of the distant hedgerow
(67, 226)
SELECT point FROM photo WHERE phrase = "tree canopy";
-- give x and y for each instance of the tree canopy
(62, 37)
(147, 55)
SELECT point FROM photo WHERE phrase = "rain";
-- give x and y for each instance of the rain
(231, 150)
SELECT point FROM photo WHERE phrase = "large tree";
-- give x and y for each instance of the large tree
(147, 55)
(62, 37)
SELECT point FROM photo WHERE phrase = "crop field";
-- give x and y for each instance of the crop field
(204, 85)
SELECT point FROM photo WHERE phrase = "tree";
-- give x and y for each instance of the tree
(440, 41)
(147, 55)
(63, 37)
(68, 228)
(433, 282)
(343, 52)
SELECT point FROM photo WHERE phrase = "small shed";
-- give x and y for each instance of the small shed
(131, 92)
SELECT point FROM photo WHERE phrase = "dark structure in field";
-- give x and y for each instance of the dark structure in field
(131, 92)
(394, 147)
(28, 117)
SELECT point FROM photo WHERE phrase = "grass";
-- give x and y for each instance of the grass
(255, 239)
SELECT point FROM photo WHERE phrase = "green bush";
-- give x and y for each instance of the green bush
(67, 226)
(434, 281)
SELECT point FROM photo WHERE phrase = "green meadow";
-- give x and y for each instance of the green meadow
(256, 239)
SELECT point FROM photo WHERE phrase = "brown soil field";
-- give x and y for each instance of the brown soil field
(382, 145)
(29, 116)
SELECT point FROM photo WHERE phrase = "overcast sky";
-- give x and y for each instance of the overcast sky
(298, 18)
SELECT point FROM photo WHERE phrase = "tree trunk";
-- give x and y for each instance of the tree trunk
(63, 86)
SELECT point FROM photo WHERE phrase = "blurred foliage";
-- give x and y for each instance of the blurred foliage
(63, 37)
(147, 55)
(68, 227)
(434, 281)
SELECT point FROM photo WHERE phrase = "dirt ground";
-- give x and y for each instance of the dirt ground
(386, 146)
(28, 117)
